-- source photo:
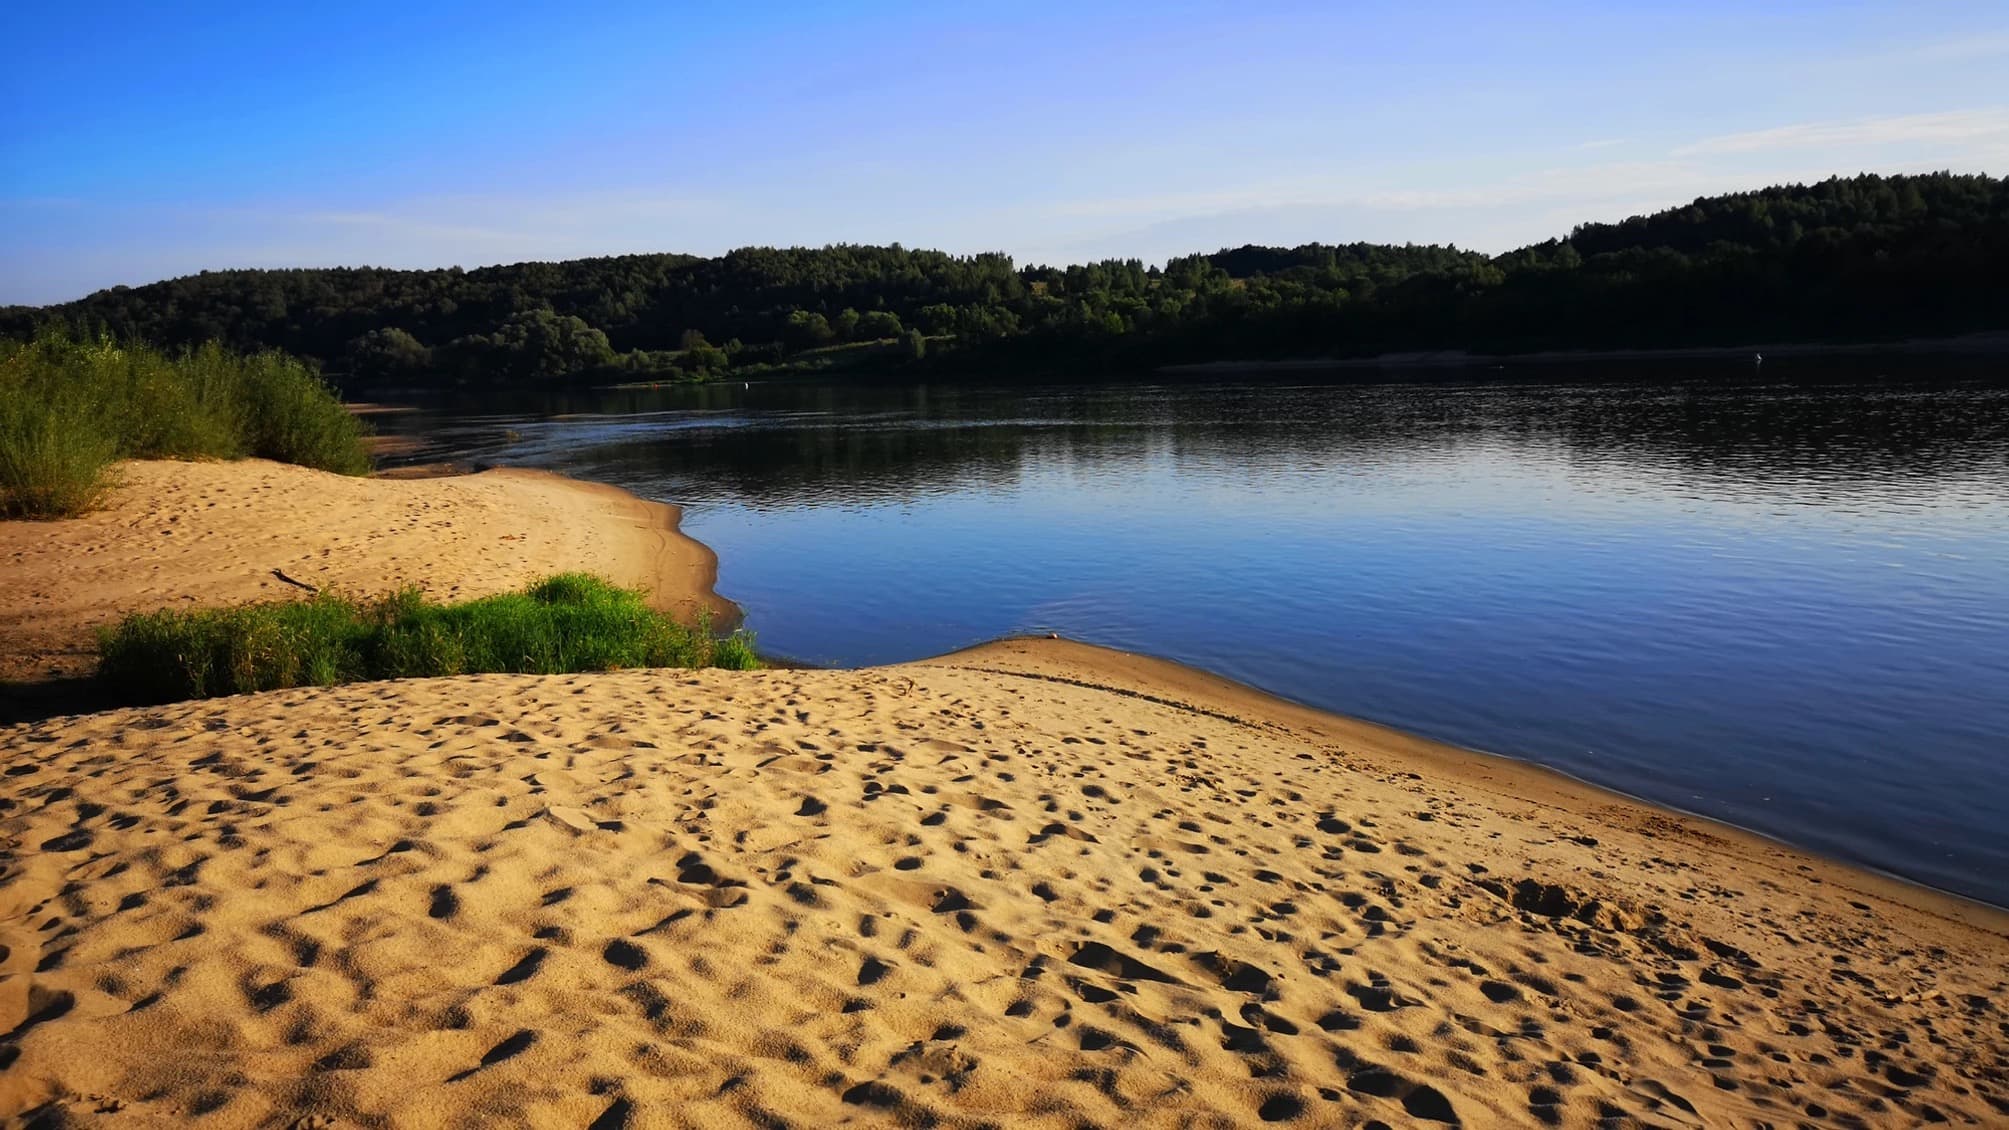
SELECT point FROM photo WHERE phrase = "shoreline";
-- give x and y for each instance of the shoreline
(1454, 754)
(1173, 682)
(642, 546)
(633, 541)
(1966, 345)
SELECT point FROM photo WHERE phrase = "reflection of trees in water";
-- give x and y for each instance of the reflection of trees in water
(1787, 439)
(795, 444)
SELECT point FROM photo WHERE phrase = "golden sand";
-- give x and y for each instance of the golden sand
(1031, 884)
(192, 534)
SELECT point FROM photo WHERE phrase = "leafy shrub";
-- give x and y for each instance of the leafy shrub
(69, 408)
(291, 416)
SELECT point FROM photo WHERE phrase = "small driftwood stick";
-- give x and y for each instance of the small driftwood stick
(296, 584)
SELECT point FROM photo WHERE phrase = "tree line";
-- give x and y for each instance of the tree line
(1856, 258)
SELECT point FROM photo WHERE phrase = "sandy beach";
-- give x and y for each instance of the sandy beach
(192, 534)
(1030, 884)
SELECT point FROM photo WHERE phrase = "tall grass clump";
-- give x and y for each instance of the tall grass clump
(53, 453)
(571, 622)
(70, 407)
(292, 416)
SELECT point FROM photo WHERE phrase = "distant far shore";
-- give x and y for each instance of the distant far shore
(1973, 345)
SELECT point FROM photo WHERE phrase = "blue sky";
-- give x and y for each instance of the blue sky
(146, 140)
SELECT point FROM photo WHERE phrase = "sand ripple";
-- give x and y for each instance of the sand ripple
(1046, 893)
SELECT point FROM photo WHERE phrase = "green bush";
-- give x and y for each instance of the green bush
(69, 408)
(291, 416)
(571, 622)
(53, 455)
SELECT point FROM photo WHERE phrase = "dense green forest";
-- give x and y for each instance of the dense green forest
(1857, 258)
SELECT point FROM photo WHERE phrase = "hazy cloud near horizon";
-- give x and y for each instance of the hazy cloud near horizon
(1053, 141)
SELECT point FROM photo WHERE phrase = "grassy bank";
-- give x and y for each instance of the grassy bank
(69, 408)
(571, 622)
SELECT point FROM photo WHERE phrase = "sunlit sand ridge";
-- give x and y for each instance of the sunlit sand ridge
(1033, 884)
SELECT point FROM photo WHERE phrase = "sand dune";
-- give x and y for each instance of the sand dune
(185, 534)
(1034, 884)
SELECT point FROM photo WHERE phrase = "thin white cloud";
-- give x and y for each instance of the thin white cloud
(1949, 126)
(1577, 182)
(384, 224)
(510, 217)
(1489, 215)
(434, 230)
(49, 203)
(1241, 196)
(1952, 50)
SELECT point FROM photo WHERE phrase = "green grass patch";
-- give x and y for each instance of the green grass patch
(571, 622)
(53, 455)
(69, 408)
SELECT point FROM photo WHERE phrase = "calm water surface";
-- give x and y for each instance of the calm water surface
(1782, 606)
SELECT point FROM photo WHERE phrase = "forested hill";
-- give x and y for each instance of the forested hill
(1857, 258)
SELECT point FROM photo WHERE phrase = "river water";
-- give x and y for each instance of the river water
(1776, 598)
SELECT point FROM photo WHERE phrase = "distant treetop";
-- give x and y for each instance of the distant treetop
(1856, 257)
